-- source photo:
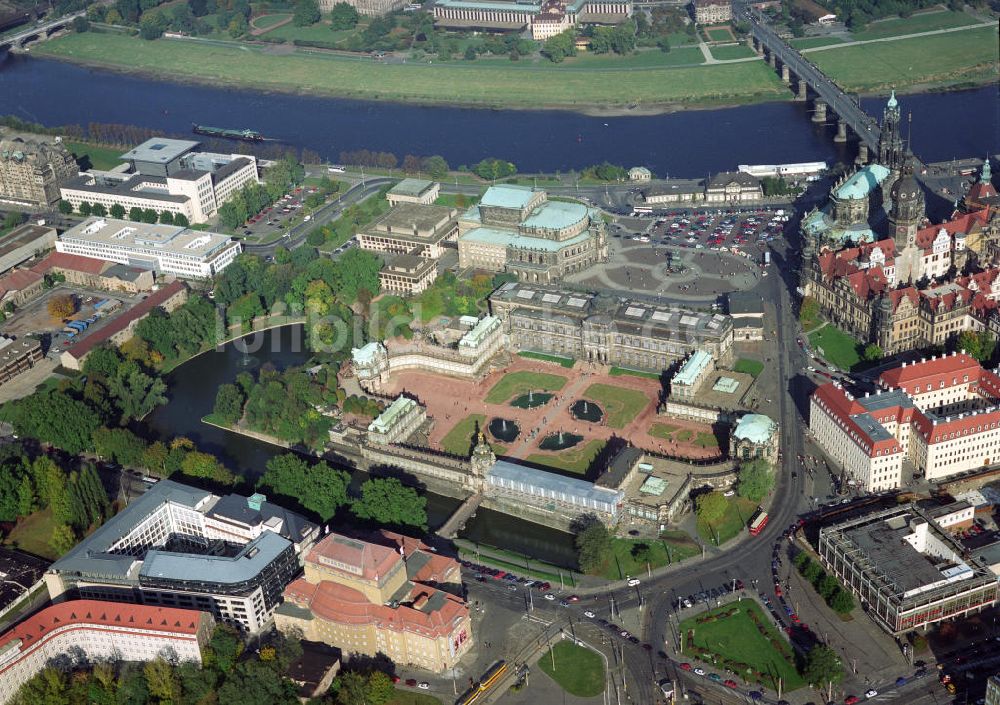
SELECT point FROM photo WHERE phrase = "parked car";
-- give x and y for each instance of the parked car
(851, 700)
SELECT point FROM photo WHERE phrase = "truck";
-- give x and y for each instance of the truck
(767, 257)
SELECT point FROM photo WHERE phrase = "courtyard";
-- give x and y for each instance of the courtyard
(543, 413)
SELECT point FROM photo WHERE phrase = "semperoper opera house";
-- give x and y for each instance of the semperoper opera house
(179, 546)
(516, 229)
(607, 330)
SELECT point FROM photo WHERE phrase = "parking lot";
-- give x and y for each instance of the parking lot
(741, 232)
(276, 220)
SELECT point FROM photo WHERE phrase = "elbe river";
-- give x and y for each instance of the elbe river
(687, 144)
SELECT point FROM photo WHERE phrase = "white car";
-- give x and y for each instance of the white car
(588, 614)
(699, 671)
(871, 693)
(549, 596)
(424, 685)
(632, 582)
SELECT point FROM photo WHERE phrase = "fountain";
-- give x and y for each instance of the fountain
(532, 400)
(245, 362)
(559, 441)
(503, 430)
(584, 410)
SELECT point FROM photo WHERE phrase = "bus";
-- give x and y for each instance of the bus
(758, 522)
(642, 210)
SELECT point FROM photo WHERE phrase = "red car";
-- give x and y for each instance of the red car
(730, 684)
(777, 589)
(851, 700)
(573, 598)
(395, 679)
(412, 682)
(544, 587)
(685, 666)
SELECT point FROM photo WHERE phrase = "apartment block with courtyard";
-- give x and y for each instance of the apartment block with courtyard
(544, 18)
(941, 416)
(166, 175)
(31, 171)
(388, 595)
(607, 330)
(179, 546)
(517, 229)
(906, 570)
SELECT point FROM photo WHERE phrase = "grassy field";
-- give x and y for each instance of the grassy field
(812, 42)
(678, 56)
(518, 383)
(459, 440)
(736, 638)
(412, 697)
(662, 430)
(719, 34)
(704, 439)
(318, 32)
(731, 523)
(102, 158)
(736, 51)
(576, 459)
(507, 84)
(456, 200)
(923, 22)
(32, 534)
(267, 21)
(577, 670)
(619, 371)
(838, 347)
(620, 405)
(748, 366)
(632, 555)
(964, 56)
(566, 362)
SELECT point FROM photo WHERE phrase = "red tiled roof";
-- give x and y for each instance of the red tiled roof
(122, 322)
(869, 282)
(18, 280)
(372, 560)
(77, 263)
(934, 371)
(100, 613)
(910, 293)
(842, 407)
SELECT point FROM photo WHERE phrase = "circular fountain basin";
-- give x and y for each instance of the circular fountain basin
(503, 429)
(559, 441)
(585, 410)
(532, 400)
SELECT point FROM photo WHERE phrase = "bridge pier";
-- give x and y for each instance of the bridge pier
(803, 90)
(841, 135)
(772, 59)
(862, 154)
(820, 114)
(786, 76)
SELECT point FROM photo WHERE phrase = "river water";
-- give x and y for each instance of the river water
(192, 389)
(682, 144)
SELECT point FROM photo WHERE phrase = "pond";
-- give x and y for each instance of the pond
(585, 410)
(504, 429)
(532, 400)
(559, 441)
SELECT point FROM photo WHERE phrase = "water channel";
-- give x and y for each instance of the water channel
(684, 144)
(192, 389)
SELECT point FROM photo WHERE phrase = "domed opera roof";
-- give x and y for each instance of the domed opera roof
(755, 428)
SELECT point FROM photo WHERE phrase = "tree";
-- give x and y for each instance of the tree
(229, 403)
(65, 207)
(135, 392)
(755, 479)
(827, 586)
(436, 166)
(842, 602)
(812, 572)
(664, 44)
(711, 506)
(224, 648)
(872, 353)
(318, 488)
(593, 547)
(62, 539)
(61, 306)
(99, 210)
(181, 220)
(379, 689)
(57, 418)
(161, 680)
(388, 501)
(135, 213)
(494, 169)
(823, 666)
(355, 271)
(205, 465)
(979, 346)
(83, 208)
(559, 46)
(120, 445)
(152, 26)
(306, 13)
(150, 216)
(166, 217)
(343, 16)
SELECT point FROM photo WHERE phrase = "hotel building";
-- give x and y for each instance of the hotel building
(31, 171)
(545, 18)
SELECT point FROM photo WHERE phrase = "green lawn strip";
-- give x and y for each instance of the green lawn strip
(522, 382)
(736, 51)
(518, 568)
(566, 362)
(704, 439)
(651, 58)
(576, 460)
(264, 22)
(923, 22)
(577, 670)
(628, 560)
(101, 158)
(619, 371)
(964, 56)
(729, 637)
(685, 435)
(32, 534)
(318, 32)
(811, 42)
(662, 430)
(451, 200)
(748, 366)
(459, 440)
(411, 697)
(731, 524)
(719, 35)
(511, 84)
(837, 346)
(620, 405)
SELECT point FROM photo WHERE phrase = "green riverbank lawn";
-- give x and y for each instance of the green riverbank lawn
(508, 84)
(922, 22)
(967, 55)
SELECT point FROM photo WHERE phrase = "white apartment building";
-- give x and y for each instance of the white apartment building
(166, 175)
(170, 249)
(90, 630)
(941, 414)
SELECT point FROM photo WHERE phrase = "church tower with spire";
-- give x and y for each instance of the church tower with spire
(891, 153)
(905, 217)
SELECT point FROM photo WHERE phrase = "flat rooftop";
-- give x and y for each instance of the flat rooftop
(160, 150)
(155, 239)
(412, 187)
(21, 236)
(413, 221)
